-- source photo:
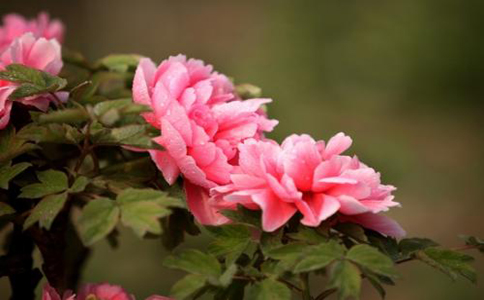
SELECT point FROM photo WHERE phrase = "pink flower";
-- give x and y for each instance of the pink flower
(201, 122)
(90, 291)
(38, 53)
(309, 177)
(15, 26)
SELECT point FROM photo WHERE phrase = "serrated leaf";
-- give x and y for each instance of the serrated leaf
(98, 219)
(196, 262)
(32, 81)
(226, 278)
(187, 286)
(11, 145)
(6, 209)
(268, 289)
(318, 257)
(345, 276)
(52, 182)
(386, 244)
(411, 245)
(79, 184)
(230, 240)
(162, 198)
(142, 216)
(308, 235)
(372, 259)
(449, 262)
(244, 216)
(46, 211)
(8, 172)
(51, 133)
(129, 135)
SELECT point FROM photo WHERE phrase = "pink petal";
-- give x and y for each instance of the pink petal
(380, 223)
(166, 164)
(351, 206)
(198, 203)
(175, 78)
(317, 208)
(275, 213)
(5, 115)
(337, 145)
(142, 80)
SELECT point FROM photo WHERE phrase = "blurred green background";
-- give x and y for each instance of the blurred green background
(404, 78)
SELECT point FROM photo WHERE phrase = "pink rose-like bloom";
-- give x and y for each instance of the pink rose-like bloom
(38, 53)
(310, 177)
(15, 26)
(201, 122)
(101, 291)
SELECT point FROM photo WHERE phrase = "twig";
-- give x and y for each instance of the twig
(326, 294)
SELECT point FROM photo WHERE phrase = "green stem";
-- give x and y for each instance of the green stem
(305, 286)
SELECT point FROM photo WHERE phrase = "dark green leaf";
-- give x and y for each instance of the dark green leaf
(449, 262)
(6, 209)
(230, 240)
(12, 146)
(79, 184)
(51, 133)
(345, 276)
(98, 219)
(162, 198)
(411, 245)
(129, 135)
(76, 115)
(352, 230)
(244, 216)
(51, 182)
(8, 172)
(318, 257)
(268, 289)
(308, 235)
(474, 241)
(196, 262)
(32, 81)
(46, 211)
(372, 259)
(175, 226)
(187, 286)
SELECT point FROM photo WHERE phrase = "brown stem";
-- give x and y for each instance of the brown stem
(325, 294)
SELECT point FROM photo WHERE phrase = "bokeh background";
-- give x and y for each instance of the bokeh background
(404, 78)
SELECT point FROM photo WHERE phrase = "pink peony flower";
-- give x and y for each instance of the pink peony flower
(201, 122)
(101, 291)
(38, 53)
(15, 26)
(312, 178)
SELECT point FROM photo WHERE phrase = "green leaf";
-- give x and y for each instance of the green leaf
(79, 184)
(11, 145)
(129, 135)
(345, 276)
(162, 198)
(372, 259)
(268, 289)
(230, 240)
(175, 226)
(244, 216)
(32, 81)
(196, 262)
(474, 241)
(318, 257)
(449, 262)
(226, 278)
(352, 230)
(187, 286)
(289, 255)
(76, 115)
(411, 245)
(142, 216)
(6, 209)
(51, 182)
(98, 219)
(120, 62)
(51, 133)
(308, 235)
(247, 91)
(46, 211)
(8, 172)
